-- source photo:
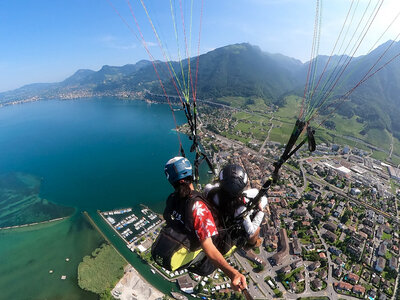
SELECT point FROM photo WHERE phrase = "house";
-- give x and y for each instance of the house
(296, 247)
(379, 232)
(186, 284)
(311, 196)
(293, 287)
(338, 211)
(393, 263)
(330, 236)
(300, 212)
(380, 219)
(362, 235)
(318, 213)
(343, 286)
(380, 264)
(314, 265)
(337, 272)
(368, 222)
(375, 280)
(353, 278)
(335, 251)
(322, 255)
(382, 249)
(330, 226)
(296, 264)
(323, 274)
(299, 277)
(338, 261)
(358, 289)
(368, 231)
(317, 284)
(284, 270)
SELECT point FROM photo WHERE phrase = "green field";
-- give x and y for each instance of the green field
(291, 109)
(99, 272)
(255, 121)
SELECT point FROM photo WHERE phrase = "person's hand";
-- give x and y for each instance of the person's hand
(239, 282)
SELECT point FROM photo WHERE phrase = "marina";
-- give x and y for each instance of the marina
(132, 227)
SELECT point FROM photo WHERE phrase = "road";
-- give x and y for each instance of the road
(267, 138)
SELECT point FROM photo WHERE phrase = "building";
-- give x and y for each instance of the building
(380, 264)
(296, 264)
(301, 212)
(382, 249)
(285, 270)
(337, 272)
(380, 219)
(330, 236)
(317, 284)
(186, 284)
(323, 274)
(296, 247)
(330, 226)
(353, 278)
(280, 256)
(299, 277)
(393, 263)
(343, 286)
(338, 211)
(394, 173)
(368, 222)
(358, 289)
(335, 251)
(318, 213)
(314, 265)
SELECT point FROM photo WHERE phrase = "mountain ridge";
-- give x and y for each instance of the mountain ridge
(243, 70)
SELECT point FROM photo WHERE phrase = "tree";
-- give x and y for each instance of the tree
(259, 268)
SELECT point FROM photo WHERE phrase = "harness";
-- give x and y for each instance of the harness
(231, 227)
(177, 246)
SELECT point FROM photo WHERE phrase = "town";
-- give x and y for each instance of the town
(331, 228)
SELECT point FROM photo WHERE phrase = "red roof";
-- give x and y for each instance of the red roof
(343, 285)
(353, 277)
(359, 289)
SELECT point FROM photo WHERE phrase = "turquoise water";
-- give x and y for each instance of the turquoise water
(90, 154)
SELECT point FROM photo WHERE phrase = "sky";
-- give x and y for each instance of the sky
(49, 40)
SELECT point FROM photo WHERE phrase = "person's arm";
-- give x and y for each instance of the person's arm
(250, 226)
(238, 279)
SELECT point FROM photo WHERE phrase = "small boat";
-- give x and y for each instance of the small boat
(152, 271)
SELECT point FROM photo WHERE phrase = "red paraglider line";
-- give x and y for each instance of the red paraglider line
(154, 66)
(198, 52)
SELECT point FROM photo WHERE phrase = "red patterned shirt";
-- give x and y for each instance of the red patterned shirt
(204, 224)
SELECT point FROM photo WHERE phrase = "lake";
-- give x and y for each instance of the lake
(89, 154)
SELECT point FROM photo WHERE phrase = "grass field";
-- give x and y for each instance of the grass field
(291, 110)
(284, 120)
(100, 271)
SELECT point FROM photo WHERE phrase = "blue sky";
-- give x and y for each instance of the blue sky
(47, 41)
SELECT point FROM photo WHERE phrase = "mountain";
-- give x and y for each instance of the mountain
(244, 70)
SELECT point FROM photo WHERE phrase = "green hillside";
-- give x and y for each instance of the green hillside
(244, 77)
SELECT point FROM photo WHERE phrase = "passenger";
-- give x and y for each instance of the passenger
(229, 193)
(188, 213)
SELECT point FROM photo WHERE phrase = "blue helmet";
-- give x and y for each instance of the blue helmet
(177, 168)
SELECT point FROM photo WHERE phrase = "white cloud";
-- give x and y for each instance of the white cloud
(114, 42)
